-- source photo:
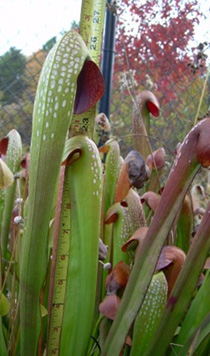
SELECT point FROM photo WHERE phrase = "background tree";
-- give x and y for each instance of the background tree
(157, 40)
(49, 44)
(154, 51)
(12, 83)
(32, 72)
(18, 114)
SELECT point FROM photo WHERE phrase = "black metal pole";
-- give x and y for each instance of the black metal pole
(108, 59)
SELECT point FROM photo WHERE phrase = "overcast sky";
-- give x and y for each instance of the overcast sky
(28, 24)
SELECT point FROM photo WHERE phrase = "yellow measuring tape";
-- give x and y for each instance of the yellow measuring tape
(61, 270)
(91, 30)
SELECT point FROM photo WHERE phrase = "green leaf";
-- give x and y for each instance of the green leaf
(44, 311)
(119, 216)
(4, 305)
(6, 176)
(149, 315)
(85, 189)
(113, 164)
(3, 346)
(194, 152)
(146, 103)
(184, 288)
(13, 159)
(199, 309)
(60, 86)
(184, 225)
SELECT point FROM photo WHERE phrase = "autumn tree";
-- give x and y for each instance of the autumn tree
(155, 36)
(153, 51)
(32, 71)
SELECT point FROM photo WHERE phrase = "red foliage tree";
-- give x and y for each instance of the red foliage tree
(153, 39)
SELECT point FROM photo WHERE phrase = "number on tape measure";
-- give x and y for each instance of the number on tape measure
(61, 271)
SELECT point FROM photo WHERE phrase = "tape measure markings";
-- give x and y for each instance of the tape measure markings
(61, 270)
(91, 30)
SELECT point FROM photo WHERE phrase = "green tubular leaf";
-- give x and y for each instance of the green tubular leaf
(199, 340)
(104, 328)
(203, 340)
(52, 115)
(126, 217)
(146, 103)
(6, 176)
(112, 168)
(14, 151)
(85, 182)
(149, 315)
(197, 343)
(135, 210)
(107, 239)
(156, 163)
(4, 305)
(184, 225)
(198, 311)
(3, 347)
(13, 159)
(184, 288)
(194, 152)
(2, 198)
(118, 215)
(154, 181)
(121, 233)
